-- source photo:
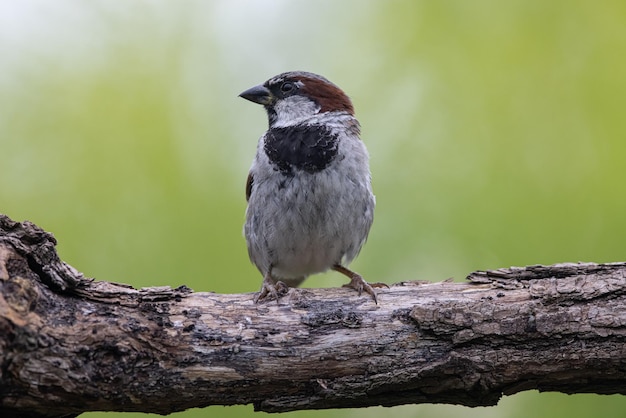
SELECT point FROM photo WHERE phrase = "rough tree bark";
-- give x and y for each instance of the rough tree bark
(69, 344)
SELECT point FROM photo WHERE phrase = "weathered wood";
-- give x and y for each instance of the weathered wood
(69, 344)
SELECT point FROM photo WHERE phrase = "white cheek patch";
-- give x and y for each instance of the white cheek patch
(294, 109)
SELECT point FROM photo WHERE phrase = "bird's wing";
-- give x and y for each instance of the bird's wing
(249, 186)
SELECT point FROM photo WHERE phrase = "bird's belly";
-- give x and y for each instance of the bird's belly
(308, 235)
(304, 255)
(307, 226)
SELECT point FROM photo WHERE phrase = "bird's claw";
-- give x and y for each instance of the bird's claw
(359, 284)
(271, 291)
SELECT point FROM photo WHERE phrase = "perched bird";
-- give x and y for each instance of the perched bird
(310, 200)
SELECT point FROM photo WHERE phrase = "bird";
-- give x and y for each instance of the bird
(310, 204)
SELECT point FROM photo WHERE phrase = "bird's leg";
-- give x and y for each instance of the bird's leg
(271, 289)
(358, 283)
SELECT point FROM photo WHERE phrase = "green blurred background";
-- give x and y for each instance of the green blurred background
(496, 131)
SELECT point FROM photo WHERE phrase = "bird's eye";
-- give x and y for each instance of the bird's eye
(287, 86)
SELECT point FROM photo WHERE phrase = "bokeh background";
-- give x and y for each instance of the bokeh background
(497, 133)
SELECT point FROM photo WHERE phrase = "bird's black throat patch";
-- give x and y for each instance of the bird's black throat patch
(305, 147)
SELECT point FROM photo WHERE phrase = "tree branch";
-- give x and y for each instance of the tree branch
(70, 344)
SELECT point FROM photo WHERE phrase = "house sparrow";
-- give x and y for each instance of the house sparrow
(310, 201)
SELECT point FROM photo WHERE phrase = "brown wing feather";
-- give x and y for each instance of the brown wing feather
(249, 186)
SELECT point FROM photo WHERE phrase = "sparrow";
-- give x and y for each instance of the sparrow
(310, 201)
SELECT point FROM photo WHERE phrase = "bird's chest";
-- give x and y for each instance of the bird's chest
(309, 148)
(299, 203)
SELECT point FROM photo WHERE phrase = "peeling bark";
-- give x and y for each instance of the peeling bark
(69, 344)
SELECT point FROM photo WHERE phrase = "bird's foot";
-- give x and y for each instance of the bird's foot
(358, 283)
(271, 290)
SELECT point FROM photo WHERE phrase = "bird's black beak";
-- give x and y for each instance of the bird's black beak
(258, 94)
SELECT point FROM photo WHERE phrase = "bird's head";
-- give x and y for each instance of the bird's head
(296, 96)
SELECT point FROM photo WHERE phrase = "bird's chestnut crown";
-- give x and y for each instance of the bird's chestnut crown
(297, 86)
